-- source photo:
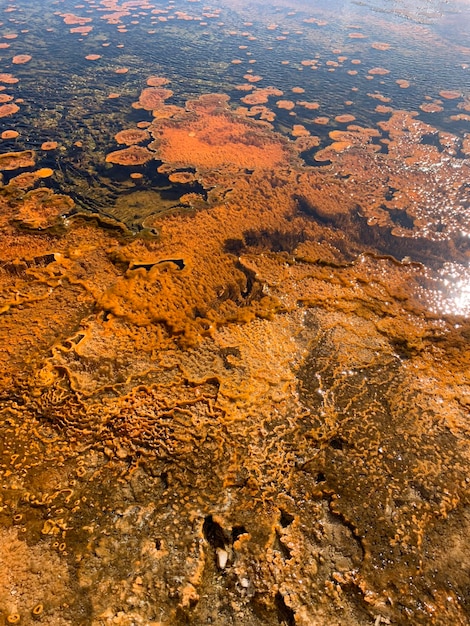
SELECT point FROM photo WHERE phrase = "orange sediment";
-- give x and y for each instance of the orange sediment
(49, 145)
(209, 136)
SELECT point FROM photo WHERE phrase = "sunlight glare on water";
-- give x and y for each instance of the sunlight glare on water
(454, 298)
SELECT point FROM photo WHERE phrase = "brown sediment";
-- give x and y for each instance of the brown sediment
(465, 104)
(460, 117)
(378, 45)
(166, 111)
(15, 160)
(431, 107)
(450, 95)
(378, 71)
(285, 104)
(466, 144)
(299, 130)
(252, 78)
(81, 30)
(41, 208)
(49, 586)
(345, 118)
(322, 120)
(23, 181)
(382, 108)
(153, 98)
(305, 142)
(182, 177)
(134, 155)
(71, 18)
(342, 140)
(314, 20)
(379, 96)
(20, 59)
(310, 106)
(157, 81)
(259, 111)
(131, 136)
(8, 109)
(260, 96)
(8, 79)
(49, 145)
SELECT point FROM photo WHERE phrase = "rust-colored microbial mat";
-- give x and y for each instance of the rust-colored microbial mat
(234, 324)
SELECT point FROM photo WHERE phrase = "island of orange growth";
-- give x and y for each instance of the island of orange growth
(209, 136)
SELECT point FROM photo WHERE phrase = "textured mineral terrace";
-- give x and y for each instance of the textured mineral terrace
(258, 415)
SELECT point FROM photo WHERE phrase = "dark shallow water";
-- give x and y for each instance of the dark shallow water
(66, 95)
